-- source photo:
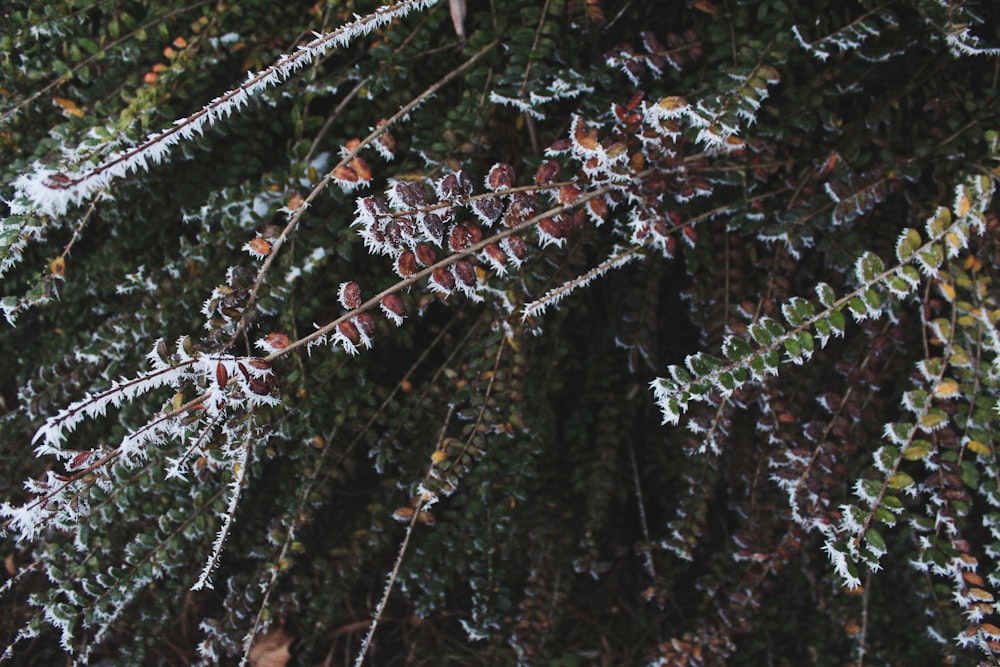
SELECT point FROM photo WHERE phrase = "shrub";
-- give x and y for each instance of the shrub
(666, 333)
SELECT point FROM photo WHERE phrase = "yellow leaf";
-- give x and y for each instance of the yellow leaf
(920, 449)
(673, 103)
(964, 204)
(946, 389)
(954, 240)
(959, 358)
(69, 107)
(948, 290)
(979, 448)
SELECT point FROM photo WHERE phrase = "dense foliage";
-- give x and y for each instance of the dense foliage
(554, 332)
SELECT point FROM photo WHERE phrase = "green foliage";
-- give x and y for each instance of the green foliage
(565, 332)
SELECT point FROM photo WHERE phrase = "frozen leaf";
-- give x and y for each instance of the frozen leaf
(900, 481)
(393, 308)
(501, 177)
(258, 247)
(69, 107)
(349, 295)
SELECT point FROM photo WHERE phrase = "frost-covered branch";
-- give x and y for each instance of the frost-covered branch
(52, 192)
(619, 258)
